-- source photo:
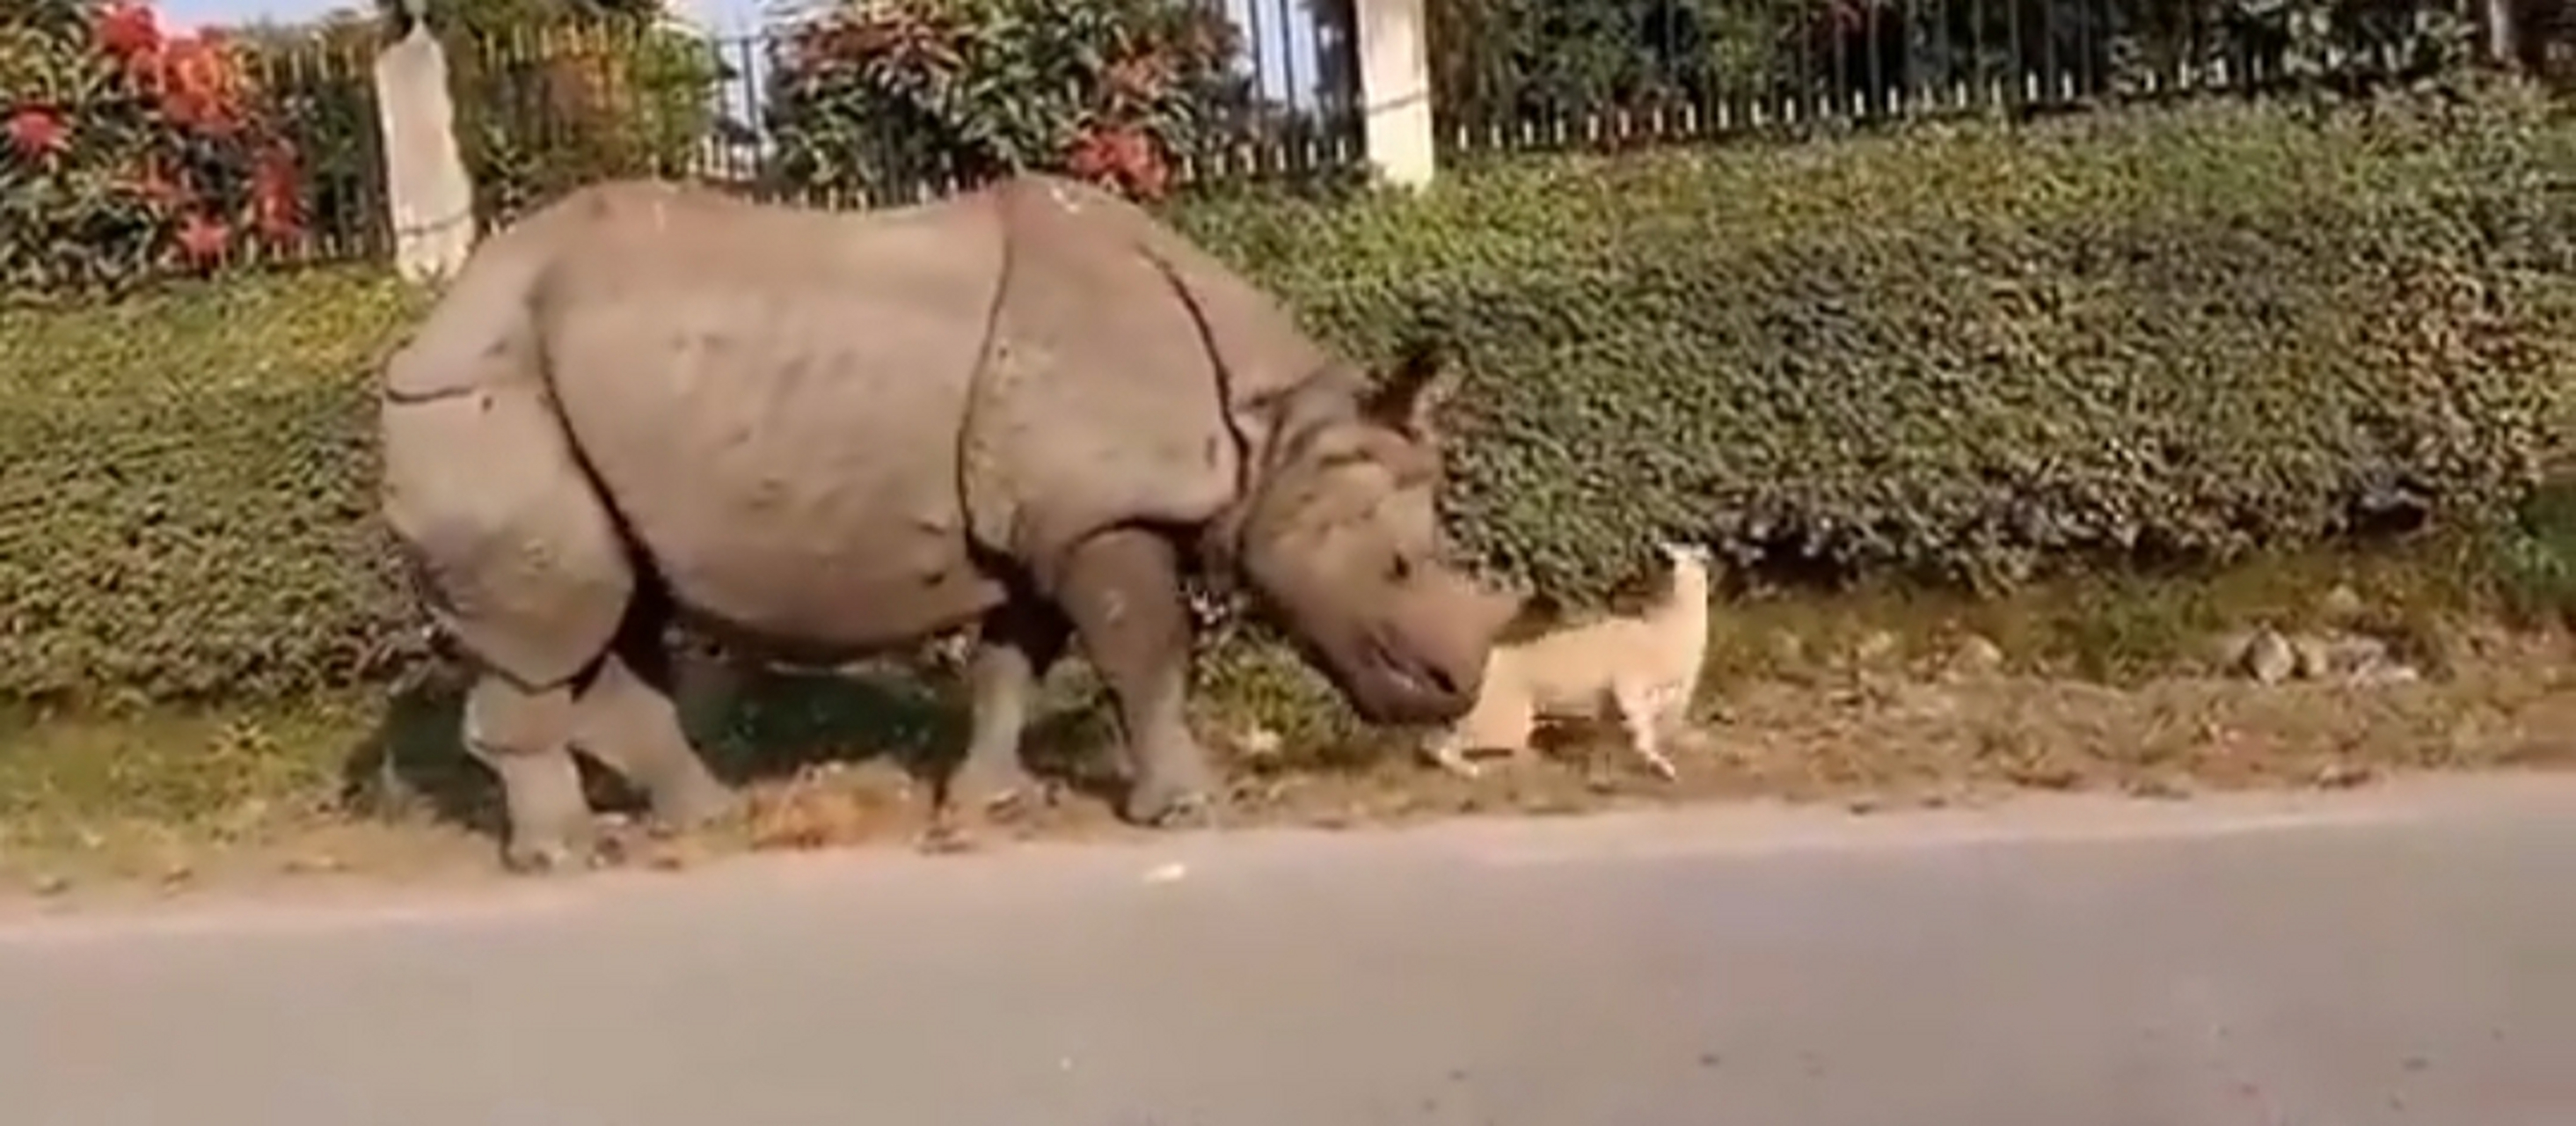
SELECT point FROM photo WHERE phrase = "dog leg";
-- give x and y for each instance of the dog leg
(1500, 721)
(1448, 751)
(1642, 715)
(1674, 720)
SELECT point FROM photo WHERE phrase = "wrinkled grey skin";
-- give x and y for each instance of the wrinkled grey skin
(817, 436)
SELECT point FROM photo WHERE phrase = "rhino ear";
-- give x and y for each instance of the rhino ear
(1411, 397)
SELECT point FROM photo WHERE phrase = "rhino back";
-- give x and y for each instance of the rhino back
(1256, 339)
(1116, 382)
(772, 398)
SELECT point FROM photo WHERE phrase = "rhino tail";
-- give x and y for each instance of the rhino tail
(481, 332)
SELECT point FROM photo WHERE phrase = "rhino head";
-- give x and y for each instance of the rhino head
(1338, 537)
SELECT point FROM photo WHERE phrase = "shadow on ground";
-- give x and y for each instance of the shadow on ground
(754, 726)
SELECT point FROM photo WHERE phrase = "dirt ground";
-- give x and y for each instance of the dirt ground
(1866, 742)
(1866, 739)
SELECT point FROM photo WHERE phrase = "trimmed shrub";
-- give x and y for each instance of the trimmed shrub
(1961, 353)
(2173, 335)
(187, 502)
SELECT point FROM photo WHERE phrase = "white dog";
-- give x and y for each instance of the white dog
(1646, 667)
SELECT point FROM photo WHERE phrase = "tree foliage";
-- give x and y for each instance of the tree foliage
(126, 151)
(876, 100)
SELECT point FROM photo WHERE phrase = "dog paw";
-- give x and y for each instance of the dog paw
(1457, 766)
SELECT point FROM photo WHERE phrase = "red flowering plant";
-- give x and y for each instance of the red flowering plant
(128, 152)
(884, 98)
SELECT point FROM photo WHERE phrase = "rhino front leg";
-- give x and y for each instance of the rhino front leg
(629, 721)
(1122, 590)
(525, 736)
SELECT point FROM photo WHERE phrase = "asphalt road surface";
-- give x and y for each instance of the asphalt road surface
(2400, 955)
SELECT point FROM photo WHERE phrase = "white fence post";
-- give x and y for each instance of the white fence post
(2503, 48)
(430, 196)
(1395, 90)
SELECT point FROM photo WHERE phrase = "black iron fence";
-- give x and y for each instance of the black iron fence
(860, 103)
(1514, 74)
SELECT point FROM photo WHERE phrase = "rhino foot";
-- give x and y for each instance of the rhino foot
(1169, 807)
(945, 837)
(556, 856)
(979, 801)
(693, 804)
(998, 793)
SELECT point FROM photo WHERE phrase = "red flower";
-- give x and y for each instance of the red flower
(273, 195)
(1089, 159)
(36, 133)
(197, 84)
(127, 29)
(1122, 157)
(202, 239)
(1149, 177)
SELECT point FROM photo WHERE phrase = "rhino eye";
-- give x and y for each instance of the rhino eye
(1399, 569)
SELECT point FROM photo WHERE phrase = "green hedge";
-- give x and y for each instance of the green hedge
(2187, 332)
(187, 495)
(2166, 334)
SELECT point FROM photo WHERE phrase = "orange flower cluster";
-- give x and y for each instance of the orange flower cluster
(191, 76)
(198, 87)
(1122, 156)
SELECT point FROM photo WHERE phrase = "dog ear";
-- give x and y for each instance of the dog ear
(1680, 551)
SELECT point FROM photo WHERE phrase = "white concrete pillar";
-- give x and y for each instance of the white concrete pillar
(1395, 90)
(2503, 44)
(426, 185)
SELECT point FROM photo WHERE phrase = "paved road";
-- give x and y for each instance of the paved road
(2405, 955)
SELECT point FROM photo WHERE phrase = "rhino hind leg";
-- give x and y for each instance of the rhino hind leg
(523, 734)
(629, 722)
(621, 714)
(516, 555)
(1122, 591)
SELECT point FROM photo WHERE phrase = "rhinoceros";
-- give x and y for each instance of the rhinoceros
(1027, 410)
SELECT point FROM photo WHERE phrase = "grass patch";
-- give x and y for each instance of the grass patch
(2535, 558)
(303, 328)
(2123, 629)
(222, 774)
